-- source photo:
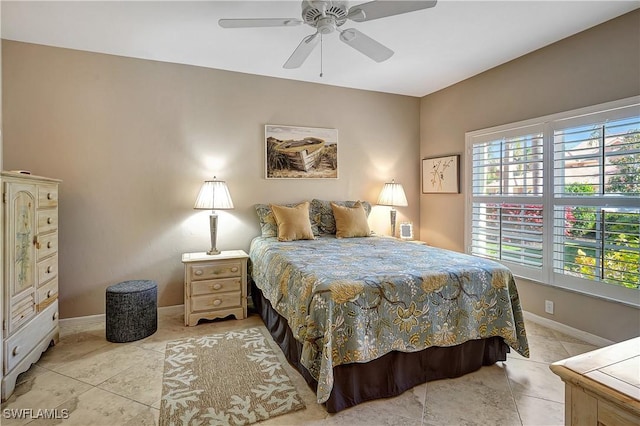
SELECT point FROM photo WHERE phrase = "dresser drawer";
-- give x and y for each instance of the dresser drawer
(216, 301)
(18, 346)
(47, 196)
(46, 245)
(216, 286)
(47, 220)
(46, 295)
(208, 271)
(47, 269)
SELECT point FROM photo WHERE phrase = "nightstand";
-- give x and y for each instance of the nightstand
(215, 286)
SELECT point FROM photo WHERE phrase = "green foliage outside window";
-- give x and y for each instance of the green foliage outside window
(621, 255)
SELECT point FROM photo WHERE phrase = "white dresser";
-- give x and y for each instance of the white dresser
(30, 278)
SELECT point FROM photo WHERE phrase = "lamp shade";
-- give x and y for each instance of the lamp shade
(214, 195)
(392, 195)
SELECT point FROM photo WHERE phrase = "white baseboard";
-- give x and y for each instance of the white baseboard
(554, 325)
(570, 331)
(101, 317)
(81, 320)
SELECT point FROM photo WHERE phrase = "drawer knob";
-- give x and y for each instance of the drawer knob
(49, 220)
(216, 286)
(217, 302)
(16, 350)
(234, 269)
(49, 293)
(49, 269)
(49, 245)
(49, 196)
(55, 315)
(198, 272)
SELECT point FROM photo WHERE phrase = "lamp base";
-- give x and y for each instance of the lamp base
(393, 222)
(213, 226)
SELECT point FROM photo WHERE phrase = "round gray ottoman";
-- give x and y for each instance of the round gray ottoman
(132, 310)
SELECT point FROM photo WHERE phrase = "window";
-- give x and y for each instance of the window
(507, 210)
(557, 199)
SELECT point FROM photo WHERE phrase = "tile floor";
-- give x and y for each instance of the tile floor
(102, 383)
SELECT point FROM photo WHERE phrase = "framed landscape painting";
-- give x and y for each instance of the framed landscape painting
(300, 152)
(441, 175)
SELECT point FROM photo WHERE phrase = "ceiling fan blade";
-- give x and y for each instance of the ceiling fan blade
(381, 9)
(302, 52)
(259, 22)
(366, 45)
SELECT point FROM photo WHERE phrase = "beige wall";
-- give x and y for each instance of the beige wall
(598, 65)
(133, 140)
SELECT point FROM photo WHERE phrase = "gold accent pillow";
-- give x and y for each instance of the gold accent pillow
(351, 221)
(293, 222)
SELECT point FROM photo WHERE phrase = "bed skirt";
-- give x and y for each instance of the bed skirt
(389, 375)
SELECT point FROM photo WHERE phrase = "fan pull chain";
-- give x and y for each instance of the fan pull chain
(320, 55)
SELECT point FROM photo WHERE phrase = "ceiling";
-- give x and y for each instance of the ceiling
(434, 48)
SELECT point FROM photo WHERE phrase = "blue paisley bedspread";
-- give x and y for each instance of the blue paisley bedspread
(356, 299)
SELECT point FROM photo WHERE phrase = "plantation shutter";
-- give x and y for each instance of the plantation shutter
(507, 189)
(596, 227)
(557, 199)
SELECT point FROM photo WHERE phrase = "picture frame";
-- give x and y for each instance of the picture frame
(294, 152)
(441, 175)
(406, 231)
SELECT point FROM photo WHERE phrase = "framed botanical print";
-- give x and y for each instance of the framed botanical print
(441, 175)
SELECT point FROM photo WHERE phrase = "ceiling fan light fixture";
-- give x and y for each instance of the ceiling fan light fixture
(313, 11)
(327, 16)
(326, 25)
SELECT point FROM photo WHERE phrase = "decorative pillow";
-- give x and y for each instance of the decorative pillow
(322, 213)
(268, 225)
(293, 222)
(350, 221)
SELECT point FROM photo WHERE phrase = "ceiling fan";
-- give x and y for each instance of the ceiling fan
(327, 16)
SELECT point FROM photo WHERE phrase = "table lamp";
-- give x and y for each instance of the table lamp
(393, 195)
(214, 195)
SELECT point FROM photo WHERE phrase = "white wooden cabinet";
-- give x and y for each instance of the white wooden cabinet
(215, 286)
(30, 272)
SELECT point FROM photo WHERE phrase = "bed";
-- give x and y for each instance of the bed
(368, 318)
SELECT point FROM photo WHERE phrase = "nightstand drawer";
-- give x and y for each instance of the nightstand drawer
(216, 301)
(208, 271)
(216, 286)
